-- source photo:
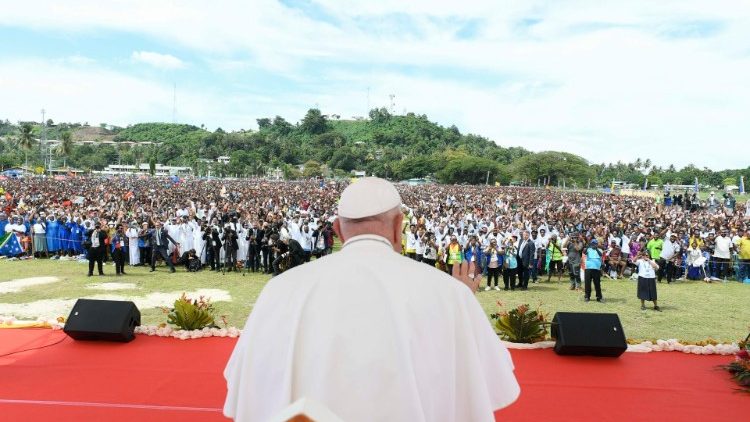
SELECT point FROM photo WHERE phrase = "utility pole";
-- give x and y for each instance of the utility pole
(393, 103)
(42, 144)
(174, 102)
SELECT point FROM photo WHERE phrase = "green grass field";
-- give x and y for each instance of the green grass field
(693, 311)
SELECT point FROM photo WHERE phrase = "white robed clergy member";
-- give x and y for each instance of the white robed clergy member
(132, 235)
(369, 333)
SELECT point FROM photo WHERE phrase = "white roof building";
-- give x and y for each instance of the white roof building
(160, 170)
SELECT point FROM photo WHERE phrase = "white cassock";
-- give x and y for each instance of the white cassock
(241, 244)
(199, 244)
(174, 232)
(373, 336)
(185, 231)
(135, 254)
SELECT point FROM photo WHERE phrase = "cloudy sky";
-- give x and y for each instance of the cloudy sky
(607, 79)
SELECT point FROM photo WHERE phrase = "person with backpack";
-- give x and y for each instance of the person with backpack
(593, 271)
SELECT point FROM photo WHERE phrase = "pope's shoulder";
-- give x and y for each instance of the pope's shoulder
(387, 267)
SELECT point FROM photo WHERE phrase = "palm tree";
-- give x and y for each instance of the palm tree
(66, 146)
(26, 140)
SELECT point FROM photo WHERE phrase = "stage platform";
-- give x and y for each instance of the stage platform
(161, 379)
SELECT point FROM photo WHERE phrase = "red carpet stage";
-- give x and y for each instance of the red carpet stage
(157, 379)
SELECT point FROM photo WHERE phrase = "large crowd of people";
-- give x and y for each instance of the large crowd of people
(517, 235)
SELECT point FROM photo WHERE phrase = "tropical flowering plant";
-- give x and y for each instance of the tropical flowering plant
(521, 324)
(740, 368)
(190, 314)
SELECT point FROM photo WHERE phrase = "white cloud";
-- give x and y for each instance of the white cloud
(620, 91)
(161, 61)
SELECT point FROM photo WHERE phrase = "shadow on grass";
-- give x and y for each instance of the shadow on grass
(543, 288)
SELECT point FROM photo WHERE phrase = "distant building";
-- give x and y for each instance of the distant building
(66, 171)
(160, 170)
(359, 173)
(223, 159)
(416, 182)
(16, 172)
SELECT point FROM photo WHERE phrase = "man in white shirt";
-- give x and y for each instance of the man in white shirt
(306, 242)
(669, 252)
(306, 336)
(722, 254)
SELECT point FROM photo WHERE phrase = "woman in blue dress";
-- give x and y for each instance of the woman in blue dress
(53, 235)
(76, 237)
(64, 234)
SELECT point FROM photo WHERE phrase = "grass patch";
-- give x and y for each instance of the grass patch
(693, 311)
(243, 290)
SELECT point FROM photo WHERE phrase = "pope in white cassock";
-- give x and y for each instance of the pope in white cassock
(369, 333)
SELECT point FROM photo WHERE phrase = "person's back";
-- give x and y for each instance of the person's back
(383, 338)
(372, 335)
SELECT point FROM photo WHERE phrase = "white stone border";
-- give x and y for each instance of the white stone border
(167, 331)
(671, 345)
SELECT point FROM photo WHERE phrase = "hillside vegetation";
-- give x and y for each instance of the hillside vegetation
(392, 146)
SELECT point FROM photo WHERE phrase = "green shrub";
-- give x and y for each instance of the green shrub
(521, 325)
(192, 314)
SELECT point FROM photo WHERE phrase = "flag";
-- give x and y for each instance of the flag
(9, 245)
(742, 184)
(696, 184)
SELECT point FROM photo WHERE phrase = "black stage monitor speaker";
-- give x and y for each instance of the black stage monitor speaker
(581, 333)
(109, 320)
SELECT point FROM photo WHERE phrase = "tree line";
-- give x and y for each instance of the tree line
(393, 146)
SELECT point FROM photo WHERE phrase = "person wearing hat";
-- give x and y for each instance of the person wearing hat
(593, 271)
(349, 330)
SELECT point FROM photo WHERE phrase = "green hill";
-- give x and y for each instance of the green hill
(392, 146)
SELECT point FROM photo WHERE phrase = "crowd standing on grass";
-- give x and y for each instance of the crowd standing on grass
(517, 235)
